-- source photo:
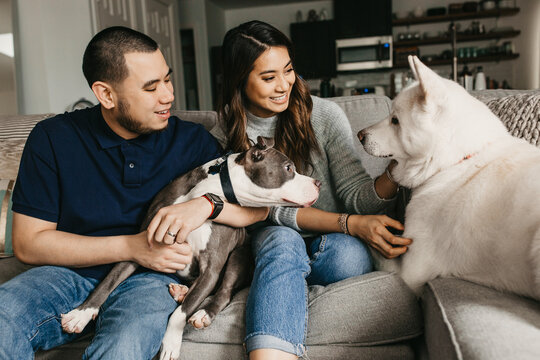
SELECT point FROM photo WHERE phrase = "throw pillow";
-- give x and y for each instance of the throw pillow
(6, 217)
(520, 114)
(14, 130)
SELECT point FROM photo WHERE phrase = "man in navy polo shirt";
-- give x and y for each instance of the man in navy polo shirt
(86, 179)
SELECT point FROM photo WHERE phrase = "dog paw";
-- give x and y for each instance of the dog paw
(200, 319)
(178, 292)
(76, 320)
(170, 347)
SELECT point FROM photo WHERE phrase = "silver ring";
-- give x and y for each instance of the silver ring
(171, 234)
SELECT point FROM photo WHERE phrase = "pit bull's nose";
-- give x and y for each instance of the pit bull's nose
(317, 183)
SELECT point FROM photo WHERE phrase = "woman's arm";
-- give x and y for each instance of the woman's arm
(385, 186)
(373, 229)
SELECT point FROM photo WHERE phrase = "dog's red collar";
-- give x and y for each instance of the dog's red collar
(466, 157)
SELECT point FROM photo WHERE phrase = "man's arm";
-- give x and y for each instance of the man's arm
(181, 219)
(37, 242)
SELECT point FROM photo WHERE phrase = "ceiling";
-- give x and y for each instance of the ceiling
(239, 4)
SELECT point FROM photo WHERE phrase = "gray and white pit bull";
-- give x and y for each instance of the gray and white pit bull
(260, 176)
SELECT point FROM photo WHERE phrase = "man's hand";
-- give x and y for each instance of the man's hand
(372, 229)
(160, 257)
(174, 223)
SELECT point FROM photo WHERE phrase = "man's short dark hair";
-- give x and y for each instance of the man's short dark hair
(103, 58)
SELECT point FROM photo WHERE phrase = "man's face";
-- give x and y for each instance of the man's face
(144, 98)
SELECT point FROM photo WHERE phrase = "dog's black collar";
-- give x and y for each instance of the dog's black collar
(224, 178)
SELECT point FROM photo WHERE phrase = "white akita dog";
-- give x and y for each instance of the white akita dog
(474, 211)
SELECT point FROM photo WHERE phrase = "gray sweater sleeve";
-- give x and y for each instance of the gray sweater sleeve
(353, 185)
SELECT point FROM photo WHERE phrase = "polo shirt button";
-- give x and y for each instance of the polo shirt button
(131, 165)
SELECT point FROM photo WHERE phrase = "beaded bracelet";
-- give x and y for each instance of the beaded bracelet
(342, 221)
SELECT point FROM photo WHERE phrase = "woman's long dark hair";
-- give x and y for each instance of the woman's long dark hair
(294, 134)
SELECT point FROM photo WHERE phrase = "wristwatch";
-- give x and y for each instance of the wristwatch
(217, 204)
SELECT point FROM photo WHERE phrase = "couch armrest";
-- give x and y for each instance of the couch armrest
(11, 267)
(464, 320)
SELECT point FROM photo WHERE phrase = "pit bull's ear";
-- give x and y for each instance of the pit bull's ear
(431, 84)
(257, 155)
(264, 142)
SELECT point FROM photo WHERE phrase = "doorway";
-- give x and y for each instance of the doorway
(190, 69)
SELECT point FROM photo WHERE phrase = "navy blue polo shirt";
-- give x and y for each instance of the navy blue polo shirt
(75, 171)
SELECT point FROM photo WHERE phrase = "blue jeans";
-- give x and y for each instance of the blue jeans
(130, 324)
(276, 310)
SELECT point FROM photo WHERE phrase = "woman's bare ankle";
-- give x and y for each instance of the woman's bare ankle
(271, 354)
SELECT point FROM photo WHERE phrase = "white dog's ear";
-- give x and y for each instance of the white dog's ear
(412, 65)
(429, 82)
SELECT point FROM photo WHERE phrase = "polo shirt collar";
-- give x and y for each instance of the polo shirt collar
(107, 138)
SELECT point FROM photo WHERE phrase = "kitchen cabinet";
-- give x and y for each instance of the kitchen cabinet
(315, 49)
(461, 37)
(363, 18)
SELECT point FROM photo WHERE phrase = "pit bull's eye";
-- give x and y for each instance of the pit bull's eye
(395, 121)
(288, 168)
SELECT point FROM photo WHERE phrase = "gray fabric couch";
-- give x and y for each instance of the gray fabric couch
(374, 316)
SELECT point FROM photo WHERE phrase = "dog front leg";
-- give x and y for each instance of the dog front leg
(76, 320)
(237, 275)
(417, 272)
(199, 290)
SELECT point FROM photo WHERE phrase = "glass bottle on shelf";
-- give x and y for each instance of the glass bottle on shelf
(480, 79)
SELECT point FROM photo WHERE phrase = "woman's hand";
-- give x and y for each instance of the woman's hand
(373, 230)
(174, 223)
(160, 257)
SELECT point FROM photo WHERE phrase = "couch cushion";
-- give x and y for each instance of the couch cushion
(363, 111)
(207, 118)
(469, 321)
(13, 133)
(373, 309)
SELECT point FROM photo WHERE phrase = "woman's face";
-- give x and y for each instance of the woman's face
(270, 83)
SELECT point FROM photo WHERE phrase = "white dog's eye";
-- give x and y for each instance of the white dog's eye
(395, 121)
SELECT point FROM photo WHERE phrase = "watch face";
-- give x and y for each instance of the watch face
(215, 198)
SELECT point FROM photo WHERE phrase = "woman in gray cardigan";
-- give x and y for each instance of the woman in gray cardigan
(262, 95)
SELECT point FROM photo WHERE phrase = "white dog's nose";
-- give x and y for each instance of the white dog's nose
(360, 135)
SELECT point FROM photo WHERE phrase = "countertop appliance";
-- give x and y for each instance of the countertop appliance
(374, 52)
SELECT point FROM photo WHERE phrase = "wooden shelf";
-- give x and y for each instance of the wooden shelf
(461, 37)
(456, 16)
(487, 58)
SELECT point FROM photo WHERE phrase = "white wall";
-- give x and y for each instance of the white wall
(216, 26)
(527, 66)
(51, 36)
(8, 98)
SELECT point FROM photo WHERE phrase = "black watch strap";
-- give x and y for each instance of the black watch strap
(217, 205)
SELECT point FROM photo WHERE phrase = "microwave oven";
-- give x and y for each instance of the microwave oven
(364, 53)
